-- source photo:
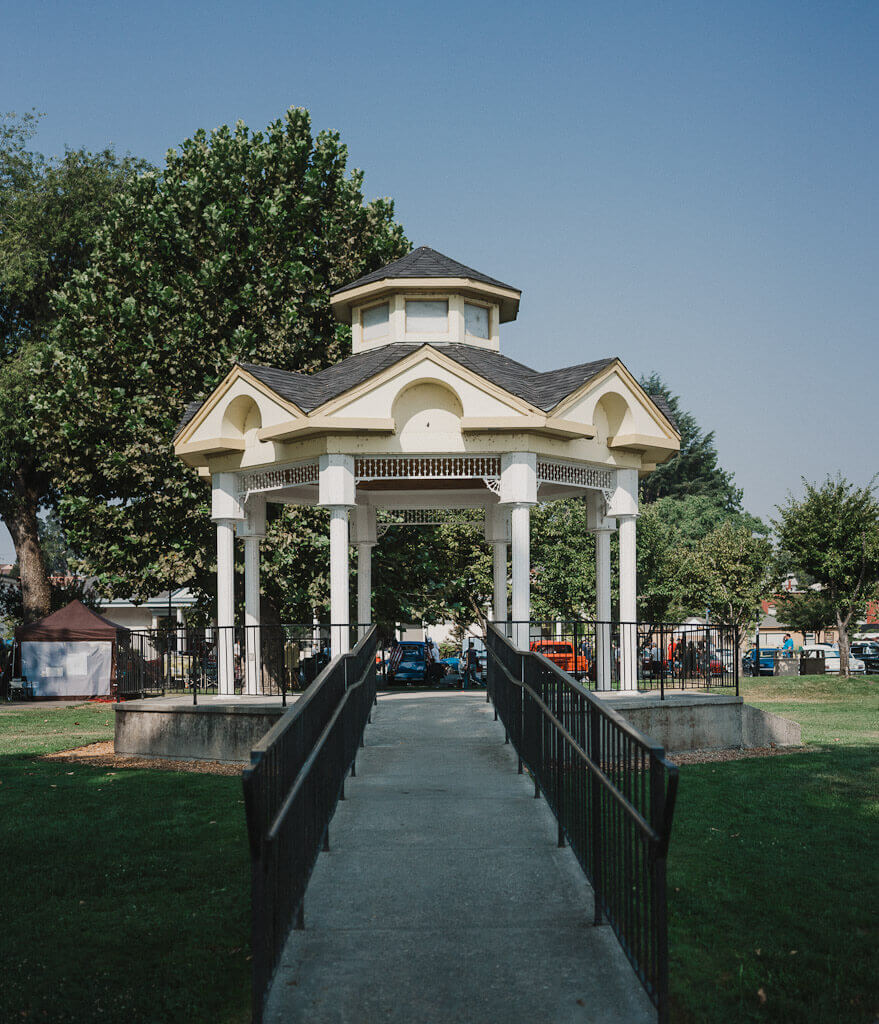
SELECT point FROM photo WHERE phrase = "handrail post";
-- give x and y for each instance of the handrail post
(594, 722)
(658, 871)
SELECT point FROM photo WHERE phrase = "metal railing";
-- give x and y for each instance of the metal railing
(611, 789)
(291, 788)
(282, 658)
(666, 655)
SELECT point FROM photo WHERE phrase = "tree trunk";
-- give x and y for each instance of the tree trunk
(842, 632)
(35, 590)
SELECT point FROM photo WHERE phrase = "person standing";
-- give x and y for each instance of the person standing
(471, 666)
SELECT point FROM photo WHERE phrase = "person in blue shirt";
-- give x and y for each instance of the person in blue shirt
(787, 648)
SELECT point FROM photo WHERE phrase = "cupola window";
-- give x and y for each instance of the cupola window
(475, 320)
(427, 316)
(375, 321)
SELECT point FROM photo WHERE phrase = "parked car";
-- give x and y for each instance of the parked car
(767, 661)
(561, 652)
(868, 653)
(412, 666)
(831, 658)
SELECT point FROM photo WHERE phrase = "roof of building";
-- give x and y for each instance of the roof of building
(423, 262)
(542, 390)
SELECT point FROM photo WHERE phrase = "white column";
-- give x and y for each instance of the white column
(339, 612)
(603, 652)
(628, 604)
(520, 518)
(518, 489)
(252, 645)
(364, 535)
(624, 507)
(252, 529)
(180, 626)
(499, 602)
(497, 533)
(225, 605)
(226, 510)
(364, 587)
(336, 492)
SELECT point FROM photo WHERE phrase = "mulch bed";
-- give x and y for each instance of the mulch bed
(732, 754)
(102, 755)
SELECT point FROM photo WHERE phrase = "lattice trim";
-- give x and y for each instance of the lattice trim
(386, 518)
(551, 472)
(454, 467)
(277, 479)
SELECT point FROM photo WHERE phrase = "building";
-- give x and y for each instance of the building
(427, 415)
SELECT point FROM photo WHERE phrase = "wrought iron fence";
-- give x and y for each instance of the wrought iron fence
(666, 655)
(296, 777)
(271, 660)
(612, 792)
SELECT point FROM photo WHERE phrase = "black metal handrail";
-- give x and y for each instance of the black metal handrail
(291, 788)
(611, 789)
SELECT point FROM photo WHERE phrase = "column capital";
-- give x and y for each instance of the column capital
(336, 481)
(518, 478)
(624, 500)
(254, 523)
(497, 524)
(363, 525)
(225, 500)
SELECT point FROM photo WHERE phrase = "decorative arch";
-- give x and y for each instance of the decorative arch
(613, 416)
(242, 417)
(428, 412)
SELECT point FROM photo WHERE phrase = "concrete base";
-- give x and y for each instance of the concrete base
(703, 721)
(216, 729)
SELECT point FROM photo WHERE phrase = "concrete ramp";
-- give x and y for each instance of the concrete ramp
(444, 897)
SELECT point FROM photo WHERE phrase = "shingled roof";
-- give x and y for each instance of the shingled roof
(542, 390)
(423, 262)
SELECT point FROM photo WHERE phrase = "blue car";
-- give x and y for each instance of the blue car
(767, 661)
(412, 667)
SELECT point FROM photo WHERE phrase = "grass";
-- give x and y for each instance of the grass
(773, 887)
(126, 893)
(125, 896)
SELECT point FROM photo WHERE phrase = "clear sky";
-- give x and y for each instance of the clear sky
(689, 186)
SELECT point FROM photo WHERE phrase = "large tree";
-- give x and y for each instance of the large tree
(729, 572)
(49, 210)
(229, 252)
(694, 471)
(831, 535)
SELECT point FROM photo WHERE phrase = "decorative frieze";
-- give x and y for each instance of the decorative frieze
(278, 479)
(431, 467)
(573, 474)
(387, 518)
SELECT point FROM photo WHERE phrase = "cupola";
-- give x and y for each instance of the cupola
(425, 297)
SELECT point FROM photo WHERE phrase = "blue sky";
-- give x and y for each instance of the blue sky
(689, 186)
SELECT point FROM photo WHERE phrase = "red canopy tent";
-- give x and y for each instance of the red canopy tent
(70, 653)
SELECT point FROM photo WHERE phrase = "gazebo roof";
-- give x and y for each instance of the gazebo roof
(544, 390)
(423, 262)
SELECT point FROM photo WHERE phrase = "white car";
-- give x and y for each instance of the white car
(831, 657)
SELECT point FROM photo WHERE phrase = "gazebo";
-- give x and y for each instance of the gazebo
(427, 414)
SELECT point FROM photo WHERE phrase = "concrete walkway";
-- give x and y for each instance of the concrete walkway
(444, 897)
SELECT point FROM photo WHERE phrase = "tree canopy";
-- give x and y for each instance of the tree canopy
(229, 252)
(694, 471)
(831, 534)
(49, 211)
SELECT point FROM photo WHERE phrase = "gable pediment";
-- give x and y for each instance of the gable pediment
(621, 413)
(232, 418)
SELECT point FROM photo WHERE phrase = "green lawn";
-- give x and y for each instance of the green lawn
(125, 894)
(773, 881)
